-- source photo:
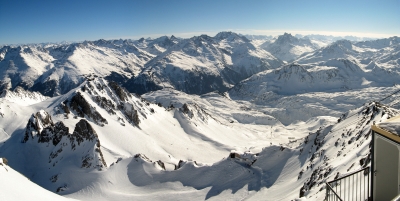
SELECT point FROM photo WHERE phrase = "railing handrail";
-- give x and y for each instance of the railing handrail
(348, 175)
(330, 187)
(396, 198)
(358, 174)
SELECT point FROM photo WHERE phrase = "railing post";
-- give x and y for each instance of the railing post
(371, 171)
(353, 183)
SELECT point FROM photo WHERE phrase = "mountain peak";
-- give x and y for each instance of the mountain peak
(287, 38)
(22, 97)
(344, 43)
(341, 46)
(287, 47)
(231, 36)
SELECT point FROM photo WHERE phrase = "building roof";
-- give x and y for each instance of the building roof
(389, 128)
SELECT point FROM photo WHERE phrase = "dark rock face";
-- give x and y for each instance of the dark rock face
(187, 81)
(47, 88)
(82, 108)
(180, 164)
(105, 103)
(117, 78)
(131, 113)
(58, 139)
(141, 84)
(161, 164)
(121, 93)
(65, 107)
(142, 156)
(111, 97)
(39, 124)
(201, 83)
(185, 109)
(84, 131)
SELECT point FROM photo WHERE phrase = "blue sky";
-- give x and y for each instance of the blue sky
(71, 20)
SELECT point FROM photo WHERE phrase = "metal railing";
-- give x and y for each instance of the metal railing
(354, 186)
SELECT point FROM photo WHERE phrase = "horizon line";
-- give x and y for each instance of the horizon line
(258, 32)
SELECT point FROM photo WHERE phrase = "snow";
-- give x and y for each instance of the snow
(203, 138)
(15, 186)
(391, 125)
(270, 137)
(22, 97)
(3, 135)
(176, 137)
(287, 47)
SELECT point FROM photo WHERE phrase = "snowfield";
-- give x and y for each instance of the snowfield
(215, 118)
(15, 186)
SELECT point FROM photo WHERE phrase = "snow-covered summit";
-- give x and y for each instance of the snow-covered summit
(230, 36)
(287, 47)
(380, 43)
(339, 49)
(22, 96)
(218, 62)
(158, 45)
(224, 60)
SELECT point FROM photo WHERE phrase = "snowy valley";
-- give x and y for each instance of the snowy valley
(229, 117)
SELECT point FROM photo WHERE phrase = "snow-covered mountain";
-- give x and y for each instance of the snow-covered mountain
(327, 39)
(287, 47)
(58, 69)
(338, 67)
(100, 142)
(339, 49)
(83, 133)
(144, 64)
(367, 53)
(158, 45)
(216, 118)
(331, 76)
(22, 97)
(203, 64)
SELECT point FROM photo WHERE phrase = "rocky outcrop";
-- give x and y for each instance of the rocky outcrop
(21, 96)
(121, 92)
(84, 131)
(131, 113)
(82, 108)
(59, 142)
(105, 103)
(143, 158)
(319, 164)
(3, 161)
(39, 125)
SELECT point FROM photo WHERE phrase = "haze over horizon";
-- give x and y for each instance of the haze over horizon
(56, 21)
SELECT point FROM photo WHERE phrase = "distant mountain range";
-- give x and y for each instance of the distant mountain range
(196, 65)
(228, 117)
(146, 64)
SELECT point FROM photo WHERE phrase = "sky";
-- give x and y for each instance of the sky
(36, 21)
